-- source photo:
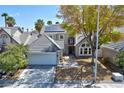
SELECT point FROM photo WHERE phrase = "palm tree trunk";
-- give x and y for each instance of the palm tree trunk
(5, 22)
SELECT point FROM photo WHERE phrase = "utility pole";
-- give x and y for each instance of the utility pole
(97, 41)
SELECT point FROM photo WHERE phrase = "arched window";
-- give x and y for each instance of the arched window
(85, 49)
(4, 38)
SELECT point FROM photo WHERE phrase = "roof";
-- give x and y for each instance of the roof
(30, 39)
(120, 29)
(78, 38)
(24, 37)
(43, 44)
(11, 31)
(118, 46)
(16, 33)
(54, 28)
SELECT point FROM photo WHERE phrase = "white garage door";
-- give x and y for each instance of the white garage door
(42, 58)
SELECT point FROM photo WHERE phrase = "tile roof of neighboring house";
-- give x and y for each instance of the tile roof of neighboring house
(118, 46)
(54, 28)
(43, 44)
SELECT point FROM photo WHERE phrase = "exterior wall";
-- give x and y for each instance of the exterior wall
(66, 44)
(7, 38)
(109, 53)
(77, 47)
(63, 43)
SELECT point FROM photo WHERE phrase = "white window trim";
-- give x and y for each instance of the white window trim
(83, 50)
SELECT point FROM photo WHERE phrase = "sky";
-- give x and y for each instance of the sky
(27, 15)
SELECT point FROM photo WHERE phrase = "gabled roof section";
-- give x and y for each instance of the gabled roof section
(118, 46)
(43, 44)
(78, 38)
(24, 37)
(11, 31)
(53, 41)
(54, 28)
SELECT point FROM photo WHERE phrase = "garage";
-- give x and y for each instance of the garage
(48, 58)
(43, 51)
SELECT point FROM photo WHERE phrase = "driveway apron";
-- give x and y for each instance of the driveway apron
(36, 77)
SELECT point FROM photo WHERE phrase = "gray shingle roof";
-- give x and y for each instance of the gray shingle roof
(24, 36)
(43, 44)
(10, 30)
(78, 38)
(118, 46)
(120, 29)
(54, 28)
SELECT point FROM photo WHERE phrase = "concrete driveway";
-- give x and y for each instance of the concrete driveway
(36, 77)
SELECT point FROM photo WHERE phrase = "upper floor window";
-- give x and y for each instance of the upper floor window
(51, 36)
(61, 37)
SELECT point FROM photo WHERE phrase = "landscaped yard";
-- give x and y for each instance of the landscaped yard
(85, 74)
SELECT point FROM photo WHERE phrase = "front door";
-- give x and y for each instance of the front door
(71, 50)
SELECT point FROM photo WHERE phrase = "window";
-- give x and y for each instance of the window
(61, 37)
(89, 50)
(81, 51)
(83, 45)
(85, 49)
(50, 36)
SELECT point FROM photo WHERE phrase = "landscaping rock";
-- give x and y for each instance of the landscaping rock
(3, 72)
(117, 77)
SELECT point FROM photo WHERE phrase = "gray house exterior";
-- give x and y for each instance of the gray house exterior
(44, 51)
(59, 35)
(110, 51)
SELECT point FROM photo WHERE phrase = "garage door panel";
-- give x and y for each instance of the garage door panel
(43, 59)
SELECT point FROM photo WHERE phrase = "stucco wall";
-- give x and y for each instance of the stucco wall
(109, 53)
(62, 43)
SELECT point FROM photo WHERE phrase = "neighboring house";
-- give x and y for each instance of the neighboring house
(121, 30)
(9, 36)
(109, 51)
(43, 50)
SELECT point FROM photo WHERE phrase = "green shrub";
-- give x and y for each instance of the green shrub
(14, 58)
(120, 59)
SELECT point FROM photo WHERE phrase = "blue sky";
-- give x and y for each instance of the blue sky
(26, 16)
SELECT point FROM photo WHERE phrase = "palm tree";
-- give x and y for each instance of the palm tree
(10, 21)
(39, 25)
(49, 22)
(5, 15)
